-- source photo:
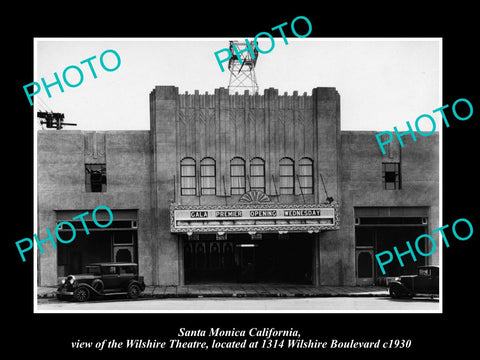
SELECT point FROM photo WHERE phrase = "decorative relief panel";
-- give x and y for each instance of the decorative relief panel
(94, 147)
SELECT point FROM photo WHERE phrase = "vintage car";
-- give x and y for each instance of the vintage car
(101, 279)
(425, 282)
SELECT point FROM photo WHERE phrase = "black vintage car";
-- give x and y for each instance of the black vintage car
(101, 279)
(425, 282)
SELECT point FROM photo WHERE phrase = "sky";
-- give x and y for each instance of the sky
(382, 82)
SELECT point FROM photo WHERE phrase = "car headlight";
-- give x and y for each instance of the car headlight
(70, 280)
(63, 281)
(397, 279)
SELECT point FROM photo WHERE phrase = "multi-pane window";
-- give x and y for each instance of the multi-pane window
(188, 177)
(391, 176)
(257, 174)
(305, 175)
(287, 176)
(95, 177)
(237, 176)
(207, 176)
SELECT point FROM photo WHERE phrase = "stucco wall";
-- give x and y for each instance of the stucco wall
(61, 186)
(361, 185)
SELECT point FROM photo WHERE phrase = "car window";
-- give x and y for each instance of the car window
(109, 270)
(130, 270)
(95, 270)
(424, 272)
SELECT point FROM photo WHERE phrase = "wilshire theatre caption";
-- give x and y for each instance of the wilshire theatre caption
(253, 338)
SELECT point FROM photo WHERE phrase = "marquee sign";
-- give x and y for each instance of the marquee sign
(253, 217)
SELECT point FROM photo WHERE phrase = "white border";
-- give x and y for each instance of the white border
(35, 181)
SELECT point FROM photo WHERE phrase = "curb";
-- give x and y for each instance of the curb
(260, 295)
(150, 293)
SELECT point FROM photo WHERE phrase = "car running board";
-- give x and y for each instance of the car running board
(115, 293)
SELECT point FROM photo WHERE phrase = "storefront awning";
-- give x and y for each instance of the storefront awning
(253, 218)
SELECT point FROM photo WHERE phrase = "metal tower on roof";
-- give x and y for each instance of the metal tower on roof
(242, 67)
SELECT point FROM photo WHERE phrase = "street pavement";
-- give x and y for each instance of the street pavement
(248, 305)
(247, 290)
(245, 298)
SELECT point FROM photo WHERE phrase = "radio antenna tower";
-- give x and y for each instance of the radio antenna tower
(242, 70)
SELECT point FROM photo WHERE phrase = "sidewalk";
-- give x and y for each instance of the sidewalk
(247, 290)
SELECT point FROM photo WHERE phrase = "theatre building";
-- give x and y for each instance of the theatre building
(237, 188)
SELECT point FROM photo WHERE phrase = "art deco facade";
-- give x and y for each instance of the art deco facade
(238, 188)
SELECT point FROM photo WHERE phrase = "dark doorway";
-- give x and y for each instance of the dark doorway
(123, 255)
(365, 265)
(208, 260)
(266, 258)
(286, 258)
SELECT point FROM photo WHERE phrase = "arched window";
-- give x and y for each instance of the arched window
(237, 176)
(305, 175)
(257, 174)
(207, 176)
(188, 177)
(287, 176)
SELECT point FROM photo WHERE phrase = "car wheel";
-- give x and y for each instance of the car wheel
(394, 292)
(133, 291)
(81, 294)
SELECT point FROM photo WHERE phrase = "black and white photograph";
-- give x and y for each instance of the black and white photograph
(255, 188)
(265, 186)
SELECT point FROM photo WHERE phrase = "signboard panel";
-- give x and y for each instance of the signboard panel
(235, 214)
(248, 217)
